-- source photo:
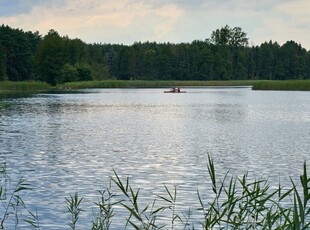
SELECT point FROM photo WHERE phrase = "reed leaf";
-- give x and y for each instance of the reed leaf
(211, 171)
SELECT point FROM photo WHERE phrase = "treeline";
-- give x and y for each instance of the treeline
(225, 55)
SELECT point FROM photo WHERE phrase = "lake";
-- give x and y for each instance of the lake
(70, 142)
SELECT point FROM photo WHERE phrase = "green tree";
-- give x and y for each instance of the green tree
(221, 36)
(149, 64)
(17, 48)
(163, 63)
(124, 63)
(69, 73)
(3, 74)
(49, 58)
(238, 37)
(294, 60)
(84, 72)
(225, 56)
(268, 56)
(99, 71)
(229, 36)
(76, 50)
(222, 63)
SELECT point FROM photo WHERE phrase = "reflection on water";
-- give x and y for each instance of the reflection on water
(63, 143)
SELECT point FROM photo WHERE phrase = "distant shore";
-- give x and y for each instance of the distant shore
(8, 86)
(297, 85)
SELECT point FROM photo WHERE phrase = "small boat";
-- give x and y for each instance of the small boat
(175, 90)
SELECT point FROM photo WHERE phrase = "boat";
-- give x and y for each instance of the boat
(175, 90)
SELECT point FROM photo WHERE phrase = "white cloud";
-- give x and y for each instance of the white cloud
(102, 19)
(127, 21)
(288, 21)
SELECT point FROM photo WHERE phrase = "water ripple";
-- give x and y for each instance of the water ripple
(63, 143)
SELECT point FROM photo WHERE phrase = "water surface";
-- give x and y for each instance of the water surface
(67, 143)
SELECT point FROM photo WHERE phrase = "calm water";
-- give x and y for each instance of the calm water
(67, 143)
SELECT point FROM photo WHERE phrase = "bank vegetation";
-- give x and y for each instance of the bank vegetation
(225, 56)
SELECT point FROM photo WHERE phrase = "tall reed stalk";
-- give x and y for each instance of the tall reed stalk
(230, 203)
(11, 201)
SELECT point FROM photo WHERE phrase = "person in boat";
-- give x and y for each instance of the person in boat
(175, 89)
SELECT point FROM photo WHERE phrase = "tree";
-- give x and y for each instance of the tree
(3, 75)
(84, 72)
(99, 71)
(17, 49)
(221, 36)
(228, 36)
(75, 50)
(69, 73)
(294, 60)
(238, 37)
(49, 58)
(225, 56)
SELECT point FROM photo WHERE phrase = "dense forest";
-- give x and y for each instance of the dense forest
(226, 55)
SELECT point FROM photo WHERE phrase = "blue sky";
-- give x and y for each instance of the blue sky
(127, 21)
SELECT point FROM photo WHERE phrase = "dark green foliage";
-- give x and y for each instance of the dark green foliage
(3, 61)
(229, 36)
(16, 53)
(84, 72)
(225, 56)
(50, 58)
(69, 73)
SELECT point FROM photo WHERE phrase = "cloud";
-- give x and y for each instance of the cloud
(17, 7)
(13, 7)
(288, 20)
(102, 19)
(297, 12)
(127, 21)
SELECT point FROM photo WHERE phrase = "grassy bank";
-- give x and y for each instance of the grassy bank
(233, 203)
(301, 85)
(9, 86)
(150, 84)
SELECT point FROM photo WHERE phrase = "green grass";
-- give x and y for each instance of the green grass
(29, 86)
(300, 85)
(232, 203)
(149, 84)
(10, 87)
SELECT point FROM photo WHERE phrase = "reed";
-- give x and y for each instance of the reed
(300, 85)
(4, 104)
(74, 209)
(232, 203)
(102, 218)
(8, 86)
(10, 198)
(150, 84)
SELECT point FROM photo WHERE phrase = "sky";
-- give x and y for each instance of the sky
(175, 21)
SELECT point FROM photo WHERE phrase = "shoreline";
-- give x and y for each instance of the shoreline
(8, 87)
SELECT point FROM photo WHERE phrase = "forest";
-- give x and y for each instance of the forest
(226, 55)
